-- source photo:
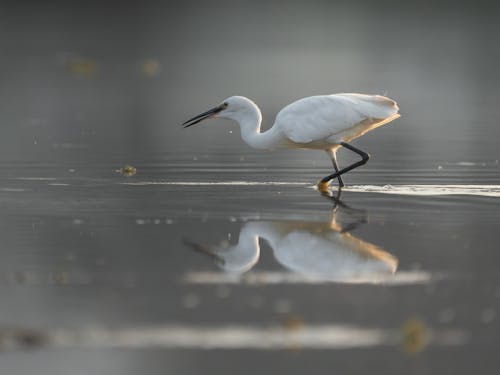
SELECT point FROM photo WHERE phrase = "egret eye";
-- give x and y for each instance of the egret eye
(224, 105)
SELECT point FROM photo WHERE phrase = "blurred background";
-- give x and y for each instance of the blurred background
(91, 80)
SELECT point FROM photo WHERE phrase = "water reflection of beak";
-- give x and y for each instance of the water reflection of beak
(205, 250)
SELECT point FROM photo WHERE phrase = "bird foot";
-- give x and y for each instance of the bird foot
(323, 187)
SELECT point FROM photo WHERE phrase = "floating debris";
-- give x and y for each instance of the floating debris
(416, 336)
(127, 171)
(21, 338)
(81, 67)
(150, 67)
(293, 323)
(59, 278)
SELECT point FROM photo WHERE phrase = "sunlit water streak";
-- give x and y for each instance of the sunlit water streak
(422, 190)
(270, 278)
(215, 183)
(480, 190)
(256, 337)
(33, 178)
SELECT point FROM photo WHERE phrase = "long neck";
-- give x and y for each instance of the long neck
(244, 255)
(250, 122)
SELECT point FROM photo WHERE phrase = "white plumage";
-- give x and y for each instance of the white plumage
(317, 250)
(323, 122)
(326, 120)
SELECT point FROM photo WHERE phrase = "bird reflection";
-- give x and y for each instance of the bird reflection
(318, 250)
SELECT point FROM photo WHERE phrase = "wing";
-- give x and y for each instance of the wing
(326, 117)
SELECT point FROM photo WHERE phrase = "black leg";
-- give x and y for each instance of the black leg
(364, 159)
(355, 213)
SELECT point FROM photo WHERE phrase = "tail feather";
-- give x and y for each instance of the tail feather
(387, 107)
(375, 106)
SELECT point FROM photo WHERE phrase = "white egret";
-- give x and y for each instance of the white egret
(323, 122)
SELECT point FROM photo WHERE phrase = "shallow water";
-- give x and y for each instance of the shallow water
(155, 265)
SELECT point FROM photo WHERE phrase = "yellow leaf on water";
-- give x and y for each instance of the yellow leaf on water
(150, 67)
(416, 336)
(127, 171)
(82, 67)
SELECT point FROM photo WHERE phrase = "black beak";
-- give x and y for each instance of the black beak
(203, 116)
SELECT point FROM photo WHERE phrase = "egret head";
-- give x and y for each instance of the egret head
(231, 108)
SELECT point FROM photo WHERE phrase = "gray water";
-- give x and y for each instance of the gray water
(161, 272)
